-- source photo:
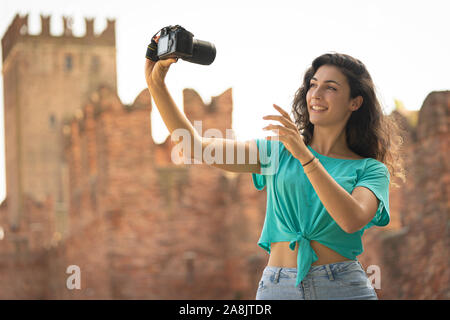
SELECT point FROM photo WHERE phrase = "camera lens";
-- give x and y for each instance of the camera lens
(203, 52)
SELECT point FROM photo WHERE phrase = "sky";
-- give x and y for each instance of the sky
(263, 48)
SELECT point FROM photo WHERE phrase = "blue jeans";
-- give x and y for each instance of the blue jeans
(334, 281)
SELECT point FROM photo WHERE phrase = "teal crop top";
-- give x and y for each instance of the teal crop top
(294, 212)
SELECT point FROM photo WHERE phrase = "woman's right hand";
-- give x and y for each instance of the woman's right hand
(155, 72)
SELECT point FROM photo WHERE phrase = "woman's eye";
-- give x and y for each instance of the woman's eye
(312, 85)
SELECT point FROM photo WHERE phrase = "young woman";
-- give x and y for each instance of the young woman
(327, 177)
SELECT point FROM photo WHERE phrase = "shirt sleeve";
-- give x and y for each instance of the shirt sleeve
(376, 178)
(269, 157)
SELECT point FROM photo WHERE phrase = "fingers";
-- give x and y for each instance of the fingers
(287, 122)
(148, 63)
(163, 66)
(280, 110)
(284, 118)
(160, 70)
(167, 62)
(280, 129)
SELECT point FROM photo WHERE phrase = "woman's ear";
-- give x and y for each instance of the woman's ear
(356, 103)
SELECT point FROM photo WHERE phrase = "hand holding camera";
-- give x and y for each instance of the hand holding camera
(155, 71)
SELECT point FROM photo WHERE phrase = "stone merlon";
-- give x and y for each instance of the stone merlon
(18, 29)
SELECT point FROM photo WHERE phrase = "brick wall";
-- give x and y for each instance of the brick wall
(138, 229)
(140, 226)
(414, 256)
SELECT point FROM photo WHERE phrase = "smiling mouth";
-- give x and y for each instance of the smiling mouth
(318, 109)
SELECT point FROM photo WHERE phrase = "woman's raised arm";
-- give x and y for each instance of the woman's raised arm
(155, 73)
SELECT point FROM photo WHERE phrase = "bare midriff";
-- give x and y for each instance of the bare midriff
(282, 256)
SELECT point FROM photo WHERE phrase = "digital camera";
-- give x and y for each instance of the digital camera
(177, 42)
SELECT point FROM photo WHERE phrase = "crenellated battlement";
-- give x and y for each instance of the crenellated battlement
(18, 31)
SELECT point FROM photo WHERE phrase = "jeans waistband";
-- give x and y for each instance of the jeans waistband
(324, 269)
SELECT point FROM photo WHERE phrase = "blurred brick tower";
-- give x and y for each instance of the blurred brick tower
(46, 79)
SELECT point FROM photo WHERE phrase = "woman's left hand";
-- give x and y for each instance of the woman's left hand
(288, 133)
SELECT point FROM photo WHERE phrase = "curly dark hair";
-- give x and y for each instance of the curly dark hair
(369, 133)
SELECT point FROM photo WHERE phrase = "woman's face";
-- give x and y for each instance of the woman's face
(329, 88)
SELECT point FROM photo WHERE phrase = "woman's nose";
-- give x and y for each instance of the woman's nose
(316, 94)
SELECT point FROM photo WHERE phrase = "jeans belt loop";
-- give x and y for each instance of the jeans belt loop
(360, 264)
(330, 273)
(277, 276)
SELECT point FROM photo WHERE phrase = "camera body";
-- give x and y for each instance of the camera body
(177, 42)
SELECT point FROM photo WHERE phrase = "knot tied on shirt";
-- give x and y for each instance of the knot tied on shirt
(298, 238)
(305, 256)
